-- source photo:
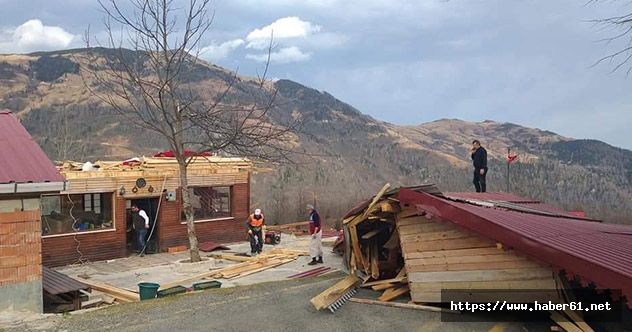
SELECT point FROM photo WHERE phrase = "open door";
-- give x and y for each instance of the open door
(150, 206)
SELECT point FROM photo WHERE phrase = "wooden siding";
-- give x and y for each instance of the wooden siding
(173, 233)
(440, 255)
(91, 246)
(94, 246)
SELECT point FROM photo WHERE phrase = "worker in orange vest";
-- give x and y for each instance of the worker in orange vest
(256, 225)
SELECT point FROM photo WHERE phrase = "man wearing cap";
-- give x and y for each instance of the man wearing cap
(255, 224)
(315, 230)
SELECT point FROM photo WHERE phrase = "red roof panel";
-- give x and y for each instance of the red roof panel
(601, 253)
(21, 158)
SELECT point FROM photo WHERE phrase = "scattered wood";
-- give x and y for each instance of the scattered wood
(333, 293)
(564, 323)
(119, 294)
(393, 293)
(403, 305)
(91, 303)
(376, 198)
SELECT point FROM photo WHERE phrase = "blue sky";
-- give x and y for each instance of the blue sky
(529, 62)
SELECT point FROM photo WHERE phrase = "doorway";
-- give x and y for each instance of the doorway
(150, 206)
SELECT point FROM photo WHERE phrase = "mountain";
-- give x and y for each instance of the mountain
(352, 154)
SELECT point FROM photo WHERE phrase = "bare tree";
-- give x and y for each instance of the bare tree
(621, 27)
(148, 83)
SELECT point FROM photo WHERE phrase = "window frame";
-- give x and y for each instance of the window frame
(81, 232)
(230, 206)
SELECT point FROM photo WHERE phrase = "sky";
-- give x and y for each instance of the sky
(529, 62)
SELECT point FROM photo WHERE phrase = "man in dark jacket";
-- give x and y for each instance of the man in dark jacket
(140, 222)
(479, 159)
(316, 231)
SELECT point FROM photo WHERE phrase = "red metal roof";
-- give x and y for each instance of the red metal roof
(513, 199)
(600, 253)
(21, 158)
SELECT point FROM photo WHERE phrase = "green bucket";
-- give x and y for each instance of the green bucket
(148, 290)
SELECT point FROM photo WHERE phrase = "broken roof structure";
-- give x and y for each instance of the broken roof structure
(480, 241)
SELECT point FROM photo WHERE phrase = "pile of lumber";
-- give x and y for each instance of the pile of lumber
(161, 163)
(119, 294)
(247, 266)
(372, 246)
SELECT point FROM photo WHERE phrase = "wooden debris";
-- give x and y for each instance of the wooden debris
(392, 293)
(119, 294)
(376, 198)
(564, 323)
(333, 293)
(403, 305)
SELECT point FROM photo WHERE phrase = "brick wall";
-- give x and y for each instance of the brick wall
(20, 247)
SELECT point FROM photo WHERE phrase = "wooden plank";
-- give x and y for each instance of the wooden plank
(454, 252)
(564, 322)
(375, 268)
(434, 236)
(384, 286)
(393, 293)
(402, 305)
(497, 257)
(373, 233)
(393, 241)
(464, 243)
(510, 274)
(376, 198)
(421, 228)
(577, 318)
(545, 283)
(118, 293)
(333, 293)
(415, 220)
(231, 257)
(385, 281)
(355, 245)
(511, 264)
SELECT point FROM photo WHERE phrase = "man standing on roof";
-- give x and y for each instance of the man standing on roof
(479, 159)
(140, 222)
(316, 231)
(255, 224)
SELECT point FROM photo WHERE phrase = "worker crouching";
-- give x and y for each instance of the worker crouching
(256, 224)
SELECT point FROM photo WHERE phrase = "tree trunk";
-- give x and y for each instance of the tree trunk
(188, 212)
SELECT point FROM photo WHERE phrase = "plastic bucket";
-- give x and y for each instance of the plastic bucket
(148, 290)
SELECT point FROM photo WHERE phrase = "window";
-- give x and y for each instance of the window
(65, 214)
(210, 202)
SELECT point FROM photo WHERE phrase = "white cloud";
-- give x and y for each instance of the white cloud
(215, 52)
(284, 55)
(32, 36)
(283, 28)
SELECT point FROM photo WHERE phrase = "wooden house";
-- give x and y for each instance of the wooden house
(90, 220)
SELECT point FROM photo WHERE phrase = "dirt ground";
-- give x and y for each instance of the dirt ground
(272, 306)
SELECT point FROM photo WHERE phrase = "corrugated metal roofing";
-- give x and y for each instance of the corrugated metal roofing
(510, 198)
(490, 196)
(600, 253)
(55, 283)
(21, 158)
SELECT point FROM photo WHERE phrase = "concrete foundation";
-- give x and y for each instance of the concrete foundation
(22, 296)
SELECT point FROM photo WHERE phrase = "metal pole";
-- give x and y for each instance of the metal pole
(508, 154)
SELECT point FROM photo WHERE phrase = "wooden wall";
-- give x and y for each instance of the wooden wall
(173, 233)
(94, 246)
(440, 255)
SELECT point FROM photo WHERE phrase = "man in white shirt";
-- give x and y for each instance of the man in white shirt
(140, 222)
